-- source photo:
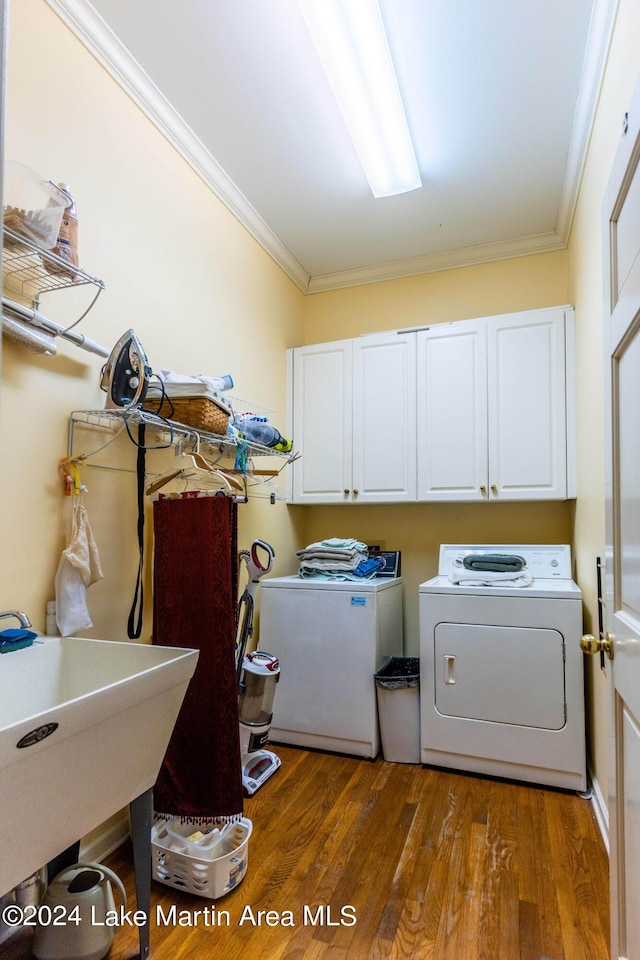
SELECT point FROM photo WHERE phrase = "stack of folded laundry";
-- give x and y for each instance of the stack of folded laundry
(487, 569)
(337, 559)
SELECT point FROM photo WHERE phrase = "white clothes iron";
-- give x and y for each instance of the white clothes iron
(125, 375)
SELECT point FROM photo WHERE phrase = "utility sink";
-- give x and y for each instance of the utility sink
(84, 725)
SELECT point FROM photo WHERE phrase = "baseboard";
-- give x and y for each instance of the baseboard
(103, 841)
(600, 809)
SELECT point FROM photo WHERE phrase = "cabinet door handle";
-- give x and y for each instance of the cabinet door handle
(494, 489)
(483, 490)
(346, 492)
(355, 493)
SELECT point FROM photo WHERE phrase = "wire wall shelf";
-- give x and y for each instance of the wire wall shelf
(161, 434)
(29, 271)
(169, 433)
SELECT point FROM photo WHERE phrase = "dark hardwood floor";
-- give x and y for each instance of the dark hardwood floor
(370, 860)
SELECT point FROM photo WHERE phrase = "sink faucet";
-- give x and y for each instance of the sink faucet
(21, 617)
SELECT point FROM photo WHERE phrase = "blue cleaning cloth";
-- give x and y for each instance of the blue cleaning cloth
(16, 639)
(368, 568)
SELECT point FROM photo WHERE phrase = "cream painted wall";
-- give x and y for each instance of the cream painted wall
(419, 529)
(202, 295)
(478, 291)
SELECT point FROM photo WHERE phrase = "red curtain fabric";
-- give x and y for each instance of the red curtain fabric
(194, 605)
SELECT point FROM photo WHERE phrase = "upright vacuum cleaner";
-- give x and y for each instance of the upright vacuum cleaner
(257, 674)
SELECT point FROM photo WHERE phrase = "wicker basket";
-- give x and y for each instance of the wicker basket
(198, 412)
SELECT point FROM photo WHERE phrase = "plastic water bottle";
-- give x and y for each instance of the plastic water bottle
(259, 431)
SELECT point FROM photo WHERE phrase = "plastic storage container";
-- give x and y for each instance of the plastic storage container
(398, 692)
(205, 864)
(33, 206)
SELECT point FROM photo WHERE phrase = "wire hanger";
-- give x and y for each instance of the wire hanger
(194, 465)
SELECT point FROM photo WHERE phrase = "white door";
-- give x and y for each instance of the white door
(384, 419)
(622, 394)
(527, 401)
(322, 422)
(452, 411)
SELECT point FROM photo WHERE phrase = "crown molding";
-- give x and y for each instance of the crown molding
(98, 38)
(431, 263)
(603, 18)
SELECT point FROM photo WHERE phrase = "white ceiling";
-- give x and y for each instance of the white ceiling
(499, 96)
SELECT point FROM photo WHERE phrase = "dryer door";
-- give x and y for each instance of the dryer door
(512, 675)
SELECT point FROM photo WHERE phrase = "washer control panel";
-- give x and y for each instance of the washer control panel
(543, 561)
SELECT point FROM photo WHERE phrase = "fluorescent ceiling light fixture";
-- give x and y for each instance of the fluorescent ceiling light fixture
(352, 45)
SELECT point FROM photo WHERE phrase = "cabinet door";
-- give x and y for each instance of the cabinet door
(452, 412)
(322, 416)
(384, 419)
(527, 406)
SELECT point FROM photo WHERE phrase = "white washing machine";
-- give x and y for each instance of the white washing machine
(501, 687)
(330, 637)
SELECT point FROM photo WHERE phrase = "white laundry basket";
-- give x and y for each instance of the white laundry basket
(207, 864)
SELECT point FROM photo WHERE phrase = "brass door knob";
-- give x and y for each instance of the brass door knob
(591, 644)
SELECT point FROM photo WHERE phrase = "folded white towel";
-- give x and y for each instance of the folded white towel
(199, 379)
(348, 544)
(334, 548)
(488, 578)
(330, 555)
(316, 564)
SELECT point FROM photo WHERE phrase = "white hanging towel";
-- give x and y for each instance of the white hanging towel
(79, 567)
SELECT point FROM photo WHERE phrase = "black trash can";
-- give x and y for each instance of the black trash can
(398, 693)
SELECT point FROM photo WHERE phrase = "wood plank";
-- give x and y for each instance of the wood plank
(574, 879)
(545, 889)
(438, 866)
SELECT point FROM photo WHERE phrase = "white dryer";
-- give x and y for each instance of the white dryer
(501, 687)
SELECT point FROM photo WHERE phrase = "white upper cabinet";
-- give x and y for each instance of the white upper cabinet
(477, 410)
(452, 412)
(384, 418)
(320, 404)
(495, 412)
(526, 392)
(353, 418)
